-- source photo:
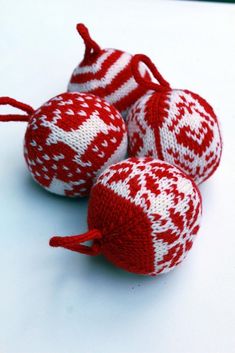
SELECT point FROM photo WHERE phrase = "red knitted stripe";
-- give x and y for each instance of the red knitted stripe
(84, 77)
(120, 79)
(123, 76)
(125, 102)
(126, 240)
(154, 120)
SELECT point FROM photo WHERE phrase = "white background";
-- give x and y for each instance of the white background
(52, 300)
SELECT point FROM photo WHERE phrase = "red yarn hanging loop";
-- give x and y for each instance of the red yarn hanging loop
(91, 46)
(136, 60)
(15, 117)
(73, 242)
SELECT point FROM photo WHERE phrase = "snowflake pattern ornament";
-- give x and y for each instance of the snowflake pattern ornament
(70, 140)
(106, 73)
(174, 125)
(157, 214)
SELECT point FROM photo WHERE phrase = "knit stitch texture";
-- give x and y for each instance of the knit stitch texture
(71, 139)
(107, 73)
(177, 126)
(143, 216)
(156, 218)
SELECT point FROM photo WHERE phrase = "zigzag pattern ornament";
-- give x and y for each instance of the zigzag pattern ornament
(70, 140)
(156, 219)
(107, 73)
(174, 125)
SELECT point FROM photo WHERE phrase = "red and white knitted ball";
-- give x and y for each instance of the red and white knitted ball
(157, 213)
(106, 73)
(174, 125)
(71, 139)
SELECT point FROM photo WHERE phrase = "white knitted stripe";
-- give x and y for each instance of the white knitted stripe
(118, 66)
(125, 89)
(94, 67)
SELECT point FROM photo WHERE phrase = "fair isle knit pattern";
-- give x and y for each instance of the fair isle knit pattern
(71, 139)
(179, 127)
(157, 213)
(107, 73)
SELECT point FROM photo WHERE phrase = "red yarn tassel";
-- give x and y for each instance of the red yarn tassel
(91, 46)
(16, 104)
(136, 60)
(74, 242)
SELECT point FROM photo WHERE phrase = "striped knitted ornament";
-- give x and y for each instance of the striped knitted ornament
(157, 213)
(70, 140)
(174, 125)
(106, 73)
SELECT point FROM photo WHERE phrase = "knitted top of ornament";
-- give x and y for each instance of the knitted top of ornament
(106, 73)
(157, 212)
(175, 125)
(70, 140)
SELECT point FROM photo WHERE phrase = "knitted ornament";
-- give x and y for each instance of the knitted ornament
(174, 125)
(106, 73)
(143, 216)
(70, 140)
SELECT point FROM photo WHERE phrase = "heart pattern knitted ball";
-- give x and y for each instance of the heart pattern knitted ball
(174, 125)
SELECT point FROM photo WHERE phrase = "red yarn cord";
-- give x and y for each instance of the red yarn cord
(14, 103)
(91, 46)
(73, 242)
(136, 60)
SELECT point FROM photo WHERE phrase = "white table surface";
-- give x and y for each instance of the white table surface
(52, 300)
